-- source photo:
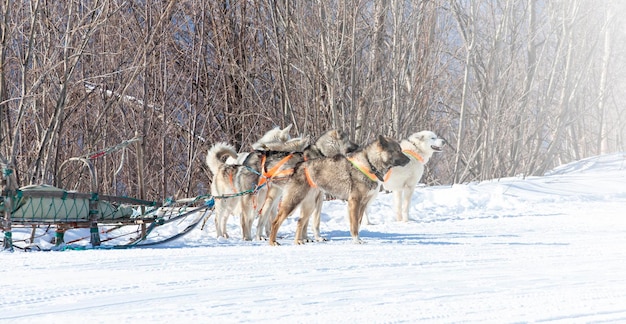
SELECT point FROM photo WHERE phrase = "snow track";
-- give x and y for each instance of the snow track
(543, 249)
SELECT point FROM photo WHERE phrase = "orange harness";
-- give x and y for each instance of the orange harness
(230, 179)
(309, 180)
(410, 153)
(274, 171)
(414, 155)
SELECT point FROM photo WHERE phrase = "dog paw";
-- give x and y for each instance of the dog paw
(321, 239)
(300, 242)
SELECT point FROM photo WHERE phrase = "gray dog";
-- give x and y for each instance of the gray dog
(356, 178)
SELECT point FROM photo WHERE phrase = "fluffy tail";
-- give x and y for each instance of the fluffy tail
(218, 153)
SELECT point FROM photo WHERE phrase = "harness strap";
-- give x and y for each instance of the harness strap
(410, 153)
(274, 171)
(309, 180)
(414, 155)
(230, 179)
(368, 173)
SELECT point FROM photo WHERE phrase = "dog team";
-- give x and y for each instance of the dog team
(284, 173)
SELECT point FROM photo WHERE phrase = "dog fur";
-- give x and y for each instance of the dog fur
(221, 185)
(224, 164)
(355, 178)
(265, 203)
(419, 147)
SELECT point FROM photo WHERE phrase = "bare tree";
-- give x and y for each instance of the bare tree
(515, 87)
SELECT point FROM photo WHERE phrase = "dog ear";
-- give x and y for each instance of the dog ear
(284, 133)
(382, 140)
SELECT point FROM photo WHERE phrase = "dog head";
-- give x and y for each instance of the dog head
(293, 145)
(274, 136)
(427, 142)
(391, 152)
(335, 142)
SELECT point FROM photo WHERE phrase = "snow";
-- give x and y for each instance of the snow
(536, 249)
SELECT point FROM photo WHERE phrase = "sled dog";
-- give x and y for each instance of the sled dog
(275, 139)
(419, 147)
(355, 177)
(271, 170)
(223, 185)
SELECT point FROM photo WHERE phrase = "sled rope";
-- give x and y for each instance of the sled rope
(242, 193)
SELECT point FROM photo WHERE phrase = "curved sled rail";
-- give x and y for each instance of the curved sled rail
(93, 201)
(93, 184)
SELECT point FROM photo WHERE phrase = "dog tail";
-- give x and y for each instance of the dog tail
(217, 154)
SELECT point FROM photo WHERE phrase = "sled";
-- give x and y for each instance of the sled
(46, 207)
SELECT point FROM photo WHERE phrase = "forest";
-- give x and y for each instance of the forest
(144, 88)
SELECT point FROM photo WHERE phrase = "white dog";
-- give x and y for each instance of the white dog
(402, 180)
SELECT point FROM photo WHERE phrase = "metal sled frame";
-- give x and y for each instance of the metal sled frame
(39, 206)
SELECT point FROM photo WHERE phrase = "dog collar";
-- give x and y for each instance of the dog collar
(414, 155)
(374, 176)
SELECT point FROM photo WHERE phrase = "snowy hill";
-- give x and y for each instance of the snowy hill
(547, 248)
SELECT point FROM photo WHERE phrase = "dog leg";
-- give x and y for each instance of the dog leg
(265, 219)
(221, 218)
(260, 227)
(266, 212)
(302, 235)
(294, 195)
(366, 219)
(246, 219)
(317, 217)
(397, 203)
(406, 202)
(220, 224)
(316, 214)
(306, 209)
(284, 212)
(282, 215)
(355, 218)
(269, 219)
(244, 226)
(218, 229)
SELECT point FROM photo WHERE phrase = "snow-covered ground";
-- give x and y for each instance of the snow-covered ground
(540, 249)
